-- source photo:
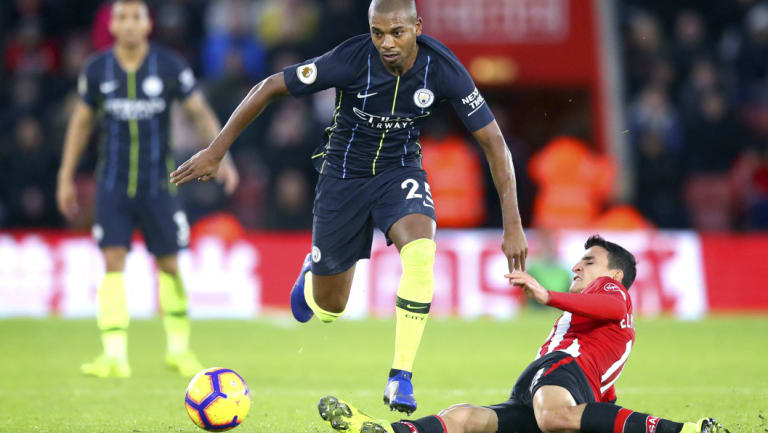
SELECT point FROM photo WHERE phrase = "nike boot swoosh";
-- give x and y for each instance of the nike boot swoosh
(361, 96)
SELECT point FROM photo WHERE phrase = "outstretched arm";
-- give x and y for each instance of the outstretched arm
(208, 127)
(514, 245)
(78, 131)
(205, 164)
(596, 306)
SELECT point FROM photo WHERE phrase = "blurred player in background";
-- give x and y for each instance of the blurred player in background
(131, 88)
(387, 83)
(569, 386)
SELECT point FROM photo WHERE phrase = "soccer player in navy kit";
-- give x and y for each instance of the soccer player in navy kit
(387, 83)
(133, 85)
(569, 387)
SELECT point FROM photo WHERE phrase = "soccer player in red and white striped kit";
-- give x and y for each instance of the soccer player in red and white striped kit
(569, 386)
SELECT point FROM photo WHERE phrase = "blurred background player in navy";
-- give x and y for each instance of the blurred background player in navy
(387, 83)
(129, 89)
(569, 387)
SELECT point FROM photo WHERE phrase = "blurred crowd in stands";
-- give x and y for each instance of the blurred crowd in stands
(696, 102)
(696, 77)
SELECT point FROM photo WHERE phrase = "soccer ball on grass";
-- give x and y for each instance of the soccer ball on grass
(217, 399)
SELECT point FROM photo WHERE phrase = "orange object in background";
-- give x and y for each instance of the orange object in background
(222, 225)
(622, 217)
(573, 184)
(456, 180)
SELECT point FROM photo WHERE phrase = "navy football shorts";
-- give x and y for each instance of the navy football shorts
(556, 368)
(347, 210)
(160, 218)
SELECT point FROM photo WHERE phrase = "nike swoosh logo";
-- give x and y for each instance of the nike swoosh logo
(427, 204)
(108, 86)
(415, 307)
(361, 96)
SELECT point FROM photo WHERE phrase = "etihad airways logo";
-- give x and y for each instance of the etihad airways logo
(387, 122)
(134, 109)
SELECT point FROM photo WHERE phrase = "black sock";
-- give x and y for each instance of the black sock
(609, 418)
(429, 424)
(599, 417)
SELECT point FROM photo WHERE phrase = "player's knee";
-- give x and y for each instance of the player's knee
(115, 265)
(168, 264)
(556, 420)
(457, 414)
(331, 301)
(546, 422)
(418, 254)
(464, 418)
(417, 282)
(114, 259)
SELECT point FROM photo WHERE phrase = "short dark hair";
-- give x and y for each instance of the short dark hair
(618, 258)
(386, 6)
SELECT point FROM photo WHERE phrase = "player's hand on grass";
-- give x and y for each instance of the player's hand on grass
(202, 166)
(515, 247)
(66, 198)
(530, 286)
(228, 174)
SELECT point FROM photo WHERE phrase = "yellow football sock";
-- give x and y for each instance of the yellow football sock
(309, 297)
(414, 298)
(173, 301)
(112, 317)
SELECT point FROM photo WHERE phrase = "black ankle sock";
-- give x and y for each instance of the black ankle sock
(429, 424)
(609, 418)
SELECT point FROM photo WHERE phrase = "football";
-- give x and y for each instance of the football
(217, 399)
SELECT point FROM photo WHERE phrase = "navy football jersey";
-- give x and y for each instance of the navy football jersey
(378, 116)
(135, 150)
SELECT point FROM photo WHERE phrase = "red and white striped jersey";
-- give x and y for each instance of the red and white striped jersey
(597, 329)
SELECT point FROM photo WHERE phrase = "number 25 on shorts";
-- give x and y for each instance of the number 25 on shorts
(413, 192)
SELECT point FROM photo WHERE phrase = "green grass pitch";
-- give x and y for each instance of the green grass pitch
(680, 370)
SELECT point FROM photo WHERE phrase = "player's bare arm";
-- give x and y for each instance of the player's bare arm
(514, 244)
(596, 306)
(205, 164)
(530, 286)
(208, 126)
(76, 140)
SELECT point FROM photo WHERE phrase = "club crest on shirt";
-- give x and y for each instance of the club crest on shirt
(423, 98)
(152, 86)
(307, 73)
(108, 86)
(82, 85)
(187, 79)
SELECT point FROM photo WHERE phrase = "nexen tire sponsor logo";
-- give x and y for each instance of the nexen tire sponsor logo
(475, 100)
(129, 109)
